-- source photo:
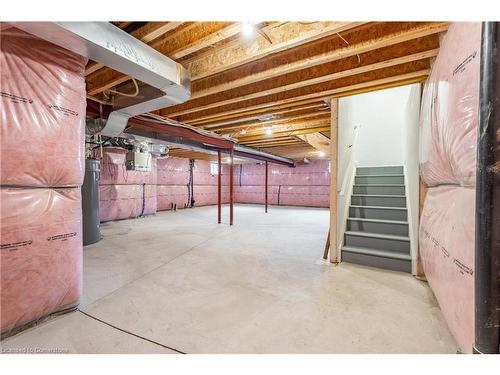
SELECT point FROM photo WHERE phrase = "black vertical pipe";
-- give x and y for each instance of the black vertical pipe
(487, 242)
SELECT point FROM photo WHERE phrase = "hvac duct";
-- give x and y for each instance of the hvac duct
(166, 82)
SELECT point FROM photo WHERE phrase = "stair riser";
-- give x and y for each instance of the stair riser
(379, 201)
(378, 243)
(375, 261)
(366, 180)
(378, 213)
(379, 190)
(366, 171)
(381, 228)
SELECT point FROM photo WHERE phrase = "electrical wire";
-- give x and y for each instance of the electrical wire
(125, 94)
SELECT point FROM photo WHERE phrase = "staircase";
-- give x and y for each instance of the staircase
(377, 226)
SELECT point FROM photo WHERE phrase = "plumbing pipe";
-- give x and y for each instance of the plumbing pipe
(487, 242)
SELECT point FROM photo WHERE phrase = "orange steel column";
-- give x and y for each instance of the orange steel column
(231, 199)
(266, 186)
(219, 198)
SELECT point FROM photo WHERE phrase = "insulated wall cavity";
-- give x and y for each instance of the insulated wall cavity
(205, 190)
(449, 113)
(124, 193)
(43, 104)
(42, 121)
(41, 267)
(305, 185)
(448, 139)
(172, 180)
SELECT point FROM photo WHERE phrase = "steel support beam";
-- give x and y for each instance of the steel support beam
(231, 176)
(266, 185)
(219, 194)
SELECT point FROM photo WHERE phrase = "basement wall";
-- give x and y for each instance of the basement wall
(129, 194)
(305, 185)
(448, 140)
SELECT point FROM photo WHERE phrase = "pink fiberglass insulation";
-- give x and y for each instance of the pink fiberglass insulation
(114, 170)
(308, 196)
(305, 185)
(314, 173)
(206, 195)
(167, 195)
(449, 115)
(446, 246)
(172, 171)
(126, 201)
(43, 102)
(41, 253)
(256, 194)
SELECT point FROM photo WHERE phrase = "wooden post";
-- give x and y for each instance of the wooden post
(231, 173)
(219, 188)
(334, 256)
(266, 186)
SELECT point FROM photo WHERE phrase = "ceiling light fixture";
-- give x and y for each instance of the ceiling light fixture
(321, 154)
(269, 131)
(247, 29)
(243, 132)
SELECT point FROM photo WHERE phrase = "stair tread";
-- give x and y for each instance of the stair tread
(377, 235)
(381, 185)
(375, 252)
(379, 195)
(402, 222)
(378, 207)
(381, 175)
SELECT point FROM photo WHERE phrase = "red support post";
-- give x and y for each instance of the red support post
(231, 199)
(219, 193)
(266, 186)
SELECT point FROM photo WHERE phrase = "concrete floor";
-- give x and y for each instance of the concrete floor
(257, 287)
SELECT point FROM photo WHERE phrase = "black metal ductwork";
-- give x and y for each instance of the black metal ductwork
(487, 242)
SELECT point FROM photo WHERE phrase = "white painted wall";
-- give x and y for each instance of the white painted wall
(411, 163)
(382, 116)
(348, 133)
(379, 128)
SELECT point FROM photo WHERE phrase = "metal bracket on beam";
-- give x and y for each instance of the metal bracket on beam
(109, 45)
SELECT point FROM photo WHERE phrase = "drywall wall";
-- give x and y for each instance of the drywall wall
(381, 117)
(347, 143)
(410, 137)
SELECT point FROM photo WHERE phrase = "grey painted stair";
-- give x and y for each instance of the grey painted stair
(377, 227)
(379, 189)
(378, 200)
(378, 241)
(380, 179)
(399, 228)
(364, 171)
(377, 212)
(377, 258)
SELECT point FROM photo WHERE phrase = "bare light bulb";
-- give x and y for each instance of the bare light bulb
(269, 131)
(243, 132)
(247, 29)
(321, 154)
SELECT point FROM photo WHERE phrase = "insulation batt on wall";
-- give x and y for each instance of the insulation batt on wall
(125, 193)
(448, 136)
(43, 103)
(305, 185)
